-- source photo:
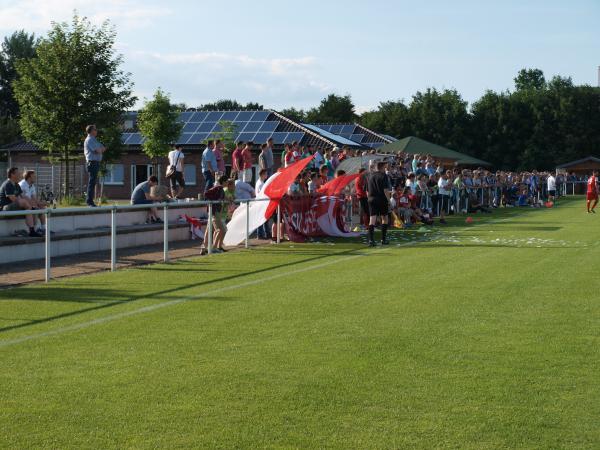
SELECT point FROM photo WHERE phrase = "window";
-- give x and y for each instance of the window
(189, 174)
(114, 174)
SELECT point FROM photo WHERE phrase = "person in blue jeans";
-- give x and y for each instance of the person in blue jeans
(93, 150)
(209, 165)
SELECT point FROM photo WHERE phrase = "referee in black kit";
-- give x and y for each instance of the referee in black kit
(378, 189)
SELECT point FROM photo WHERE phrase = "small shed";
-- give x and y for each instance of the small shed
(581, 167)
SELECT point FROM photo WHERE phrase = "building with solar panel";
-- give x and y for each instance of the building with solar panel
(198, 126)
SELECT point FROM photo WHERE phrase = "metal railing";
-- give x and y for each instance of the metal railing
(114, 209)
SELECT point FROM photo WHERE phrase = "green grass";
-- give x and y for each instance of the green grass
(481, 336)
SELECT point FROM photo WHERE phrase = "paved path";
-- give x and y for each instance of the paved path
(66, 266)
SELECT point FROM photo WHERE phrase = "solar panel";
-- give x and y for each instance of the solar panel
(185, 116)
(217, 128)
(291, 137)
(190, 127)
(183, 138)
(260, 116)
(345, 135)
(279, 137)
(245, 137)
(335, 129)
(261, 138)
(348, 129)
(206, 127)
(197, 138)
(357, 137)
(124, 137)
(269, 126)
(230, 115)
(325, 127)
(244, 116)
(135, 139)
(214, 116)
(198, 116)
(252, 126)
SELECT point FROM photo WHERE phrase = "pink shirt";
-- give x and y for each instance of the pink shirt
(247, 159)
(220, 160)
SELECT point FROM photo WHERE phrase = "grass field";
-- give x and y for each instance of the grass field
(480, 336)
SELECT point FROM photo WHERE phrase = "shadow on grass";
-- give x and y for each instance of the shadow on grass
(93, 294)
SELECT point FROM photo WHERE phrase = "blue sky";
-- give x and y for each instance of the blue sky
(282, 53)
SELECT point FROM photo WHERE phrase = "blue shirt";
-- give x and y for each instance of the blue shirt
(90, 146)
(139, 193)
(209, 156)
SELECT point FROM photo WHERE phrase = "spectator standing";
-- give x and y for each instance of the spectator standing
(243, 190)
(319, 160)
(29, 192)
(444, 193)
(264, 231)
(142, 195)
(269, 162)
(219, 151)
(93, 151)
(236, 160)
(175, 171)
(12, 200)
(247, 163)
(209, 165)
(361, 193)
(551, 187)
(217, 193)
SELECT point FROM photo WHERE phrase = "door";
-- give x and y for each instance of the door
(140, 173)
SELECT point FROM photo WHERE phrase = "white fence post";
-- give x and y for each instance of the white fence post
(247, 224)
(210, 228)
(278, 228)
(166, 233)
(113, 239)
(48, 247)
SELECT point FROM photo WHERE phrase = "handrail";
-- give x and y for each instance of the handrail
(107, 209)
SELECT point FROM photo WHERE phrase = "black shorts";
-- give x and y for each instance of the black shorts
(378, 206)
(443, 203)
(175, 179)
(552, 193)
(364, 205)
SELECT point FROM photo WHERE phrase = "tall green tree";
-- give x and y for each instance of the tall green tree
(297, 115)
(389, 118)
(441, 117)
(75, 79)
(333, 108)
(158, 123)
(230, 105)
(528, 79)
(226, 134)
(17, 46)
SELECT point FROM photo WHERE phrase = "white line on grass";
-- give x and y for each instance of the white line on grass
(145, 309)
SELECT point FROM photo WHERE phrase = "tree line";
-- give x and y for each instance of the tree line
(51, 87)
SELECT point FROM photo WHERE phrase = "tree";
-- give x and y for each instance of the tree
(440, 117)
(158, 123)
(297, 115)
(528, 79)
(389, 118)
(333, 108)
(9, 130)
(230, 105)
(75, 80)
(19, 45)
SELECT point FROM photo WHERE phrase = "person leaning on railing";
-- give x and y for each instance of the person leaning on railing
(11, 199)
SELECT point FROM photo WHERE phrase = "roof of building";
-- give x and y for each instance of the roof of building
(363, 136)
(415, 145)
(579, 161)
(20, 146)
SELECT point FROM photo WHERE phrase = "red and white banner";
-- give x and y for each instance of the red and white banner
(260, 211)
(307, 216)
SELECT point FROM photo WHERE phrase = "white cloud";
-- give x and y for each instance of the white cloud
(37, 15)
(196, 78)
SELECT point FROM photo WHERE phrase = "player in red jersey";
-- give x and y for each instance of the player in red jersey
(592, 192)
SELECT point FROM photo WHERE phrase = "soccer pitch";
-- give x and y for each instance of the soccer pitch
(468, 336)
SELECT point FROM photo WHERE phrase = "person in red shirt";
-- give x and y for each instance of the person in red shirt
(360, 186)
(592, 192)
(236, 160)
(247, 163)
(323, 174)
(290, 157)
